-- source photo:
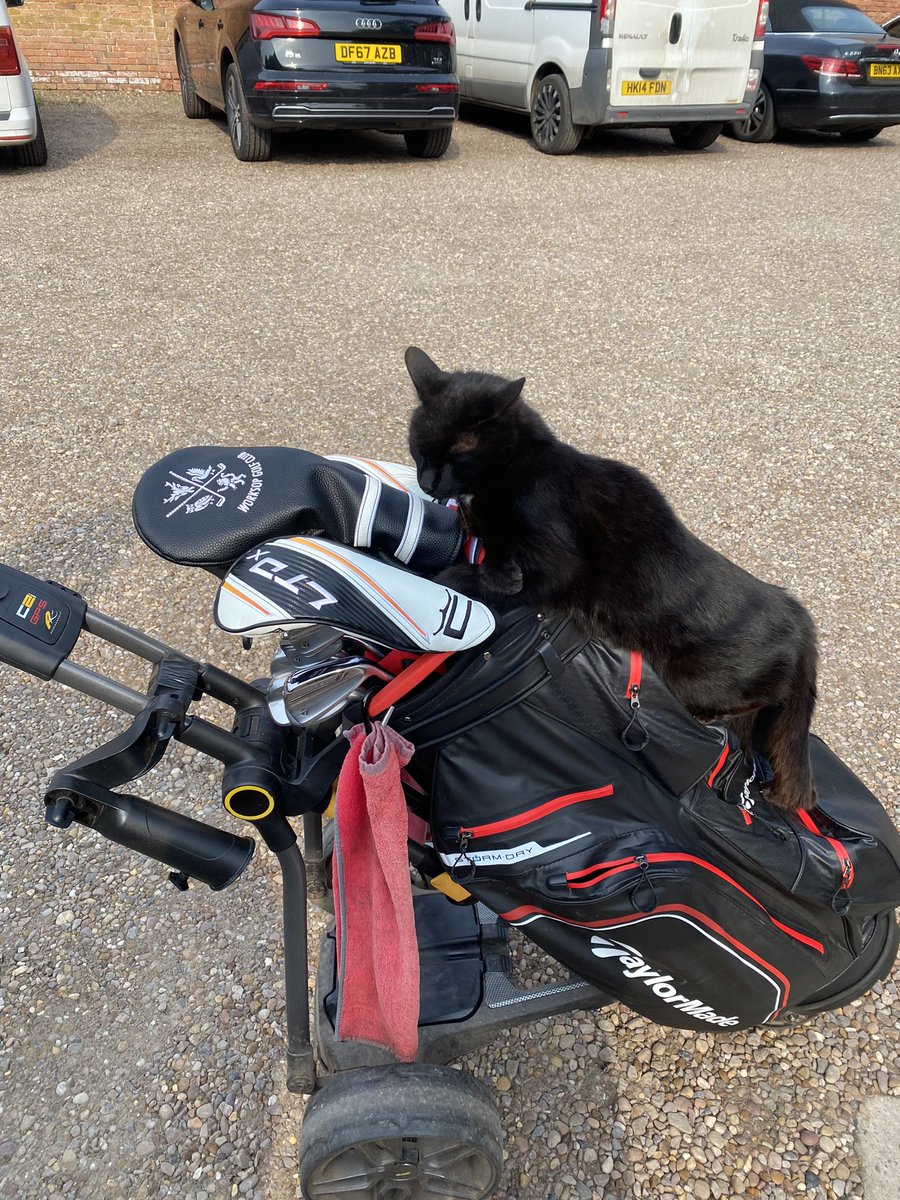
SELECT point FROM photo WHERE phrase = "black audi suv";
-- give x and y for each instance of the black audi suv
(327, 64)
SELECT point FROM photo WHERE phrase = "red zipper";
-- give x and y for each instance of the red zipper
(616, 866)
(844, 861)
(635, 670)
(535, 814)
(720, 763)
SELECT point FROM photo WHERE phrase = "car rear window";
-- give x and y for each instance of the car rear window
(793, 17)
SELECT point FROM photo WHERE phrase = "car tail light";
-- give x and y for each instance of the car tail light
(437, 87)
(606, 10)
(436, 31)
(264, 26)
(831, 66)
(762, 18)
(287, 85)
(752, 81)
(9, 59)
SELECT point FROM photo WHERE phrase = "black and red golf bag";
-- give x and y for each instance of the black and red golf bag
(573, 795)
(570, 791)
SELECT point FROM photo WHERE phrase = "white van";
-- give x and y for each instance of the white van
(687, 64)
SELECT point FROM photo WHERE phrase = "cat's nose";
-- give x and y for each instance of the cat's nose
(428, 477)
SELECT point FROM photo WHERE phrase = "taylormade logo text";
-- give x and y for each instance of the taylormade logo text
(634, 967)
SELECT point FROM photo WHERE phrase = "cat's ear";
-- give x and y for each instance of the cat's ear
(508, 394)
(426, 375)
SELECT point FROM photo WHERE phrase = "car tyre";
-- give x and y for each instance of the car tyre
(194, 107)
(552, 127)
(760, 125)
(33, 153)
(413, 1131)
(248, 141)
(861, 135)
(695, 135)
(428, 143)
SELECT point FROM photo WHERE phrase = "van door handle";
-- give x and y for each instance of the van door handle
(675, 28)
(466, 10)
(477, 10)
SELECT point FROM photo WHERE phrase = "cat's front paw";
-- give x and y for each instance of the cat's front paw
(507, 580)
(488, 583)
(461, 577)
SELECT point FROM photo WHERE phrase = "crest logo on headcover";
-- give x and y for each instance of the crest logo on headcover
(197, 488)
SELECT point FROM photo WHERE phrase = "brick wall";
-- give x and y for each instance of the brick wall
(110, 44)
(74, 44)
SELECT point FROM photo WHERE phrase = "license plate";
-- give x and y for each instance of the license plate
(884, 71)
(646, 87)
(367, 52)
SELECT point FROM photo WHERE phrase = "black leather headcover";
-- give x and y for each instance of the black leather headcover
(207, 505)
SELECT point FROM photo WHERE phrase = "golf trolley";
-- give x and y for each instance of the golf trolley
(380, 1128)
(561, 784)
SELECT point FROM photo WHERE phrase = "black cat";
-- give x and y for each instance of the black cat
(595, 538)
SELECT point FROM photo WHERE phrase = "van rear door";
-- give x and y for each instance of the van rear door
(680, 52)
(648, 53)
(720, 40)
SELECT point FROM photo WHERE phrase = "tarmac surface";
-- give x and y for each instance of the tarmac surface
(726, 320)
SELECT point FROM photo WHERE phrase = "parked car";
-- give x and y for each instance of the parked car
(21, 132)
(325, 64)
(827, 67)
(686, 65)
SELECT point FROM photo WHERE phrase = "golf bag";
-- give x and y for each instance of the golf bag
(569, 790)
(574, 795)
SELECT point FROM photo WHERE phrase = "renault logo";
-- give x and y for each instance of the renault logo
(368, 23)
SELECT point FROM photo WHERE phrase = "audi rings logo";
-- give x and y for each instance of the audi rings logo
(368, 23)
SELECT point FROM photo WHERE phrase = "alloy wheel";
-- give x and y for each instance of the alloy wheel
(757, 115)
(409, 1168)
(186, 96)
(233, 111)
(547, 115)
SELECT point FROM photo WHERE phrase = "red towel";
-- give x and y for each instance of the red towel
(378, 955)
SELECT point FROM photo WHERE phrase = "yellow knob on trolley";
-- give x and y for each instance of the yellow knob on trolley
(249, 802)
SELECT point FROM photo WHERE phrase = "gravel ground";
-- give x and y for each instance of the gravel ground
(726, 320)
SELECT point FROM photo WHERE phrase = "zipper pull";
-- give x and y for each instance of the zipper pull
(467, 871)
(644, 881)
(641, 737)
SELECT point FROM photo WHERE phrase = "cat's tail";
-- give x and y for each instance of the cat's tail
(787, 734)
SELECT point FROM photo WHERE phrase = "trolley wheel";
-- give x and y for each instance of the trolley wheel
(407, 1132)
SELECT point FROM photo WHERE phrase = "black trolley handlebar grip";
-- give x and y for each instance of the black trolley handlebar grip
(192, 849)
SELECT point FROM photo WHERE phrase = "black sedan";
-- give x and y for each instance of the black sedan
(327, 64)
(827, 67)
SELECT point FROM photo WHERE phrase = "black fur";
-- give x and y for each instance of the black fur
(596, 538)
